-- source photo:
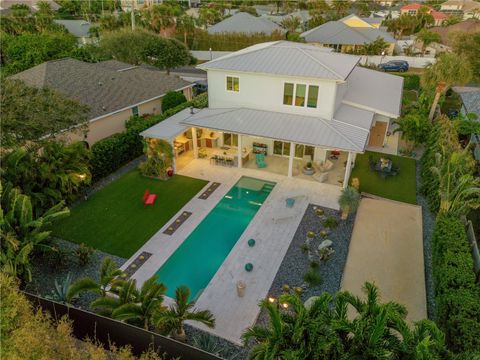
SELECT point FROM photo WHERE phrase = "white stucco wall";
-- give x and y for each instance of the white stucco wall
(265, 92)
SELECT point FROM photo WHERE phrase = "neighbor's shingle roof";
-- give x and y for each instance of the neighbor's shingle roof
(471, 100)
(243, 22)
(287, 58)
(104, 87)
(336, 32)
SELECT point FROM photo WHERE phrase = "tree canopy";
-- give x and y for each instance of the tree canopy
(468, 46)
(30, 113)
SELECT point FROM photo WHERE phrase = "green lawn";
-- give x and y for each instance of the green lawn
(400, 187)
(114, 219)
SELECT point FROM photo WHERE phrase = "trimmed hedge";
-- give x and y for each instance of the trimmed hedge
(457, 296)
(411, 81)
(172, 99)
(109, 154)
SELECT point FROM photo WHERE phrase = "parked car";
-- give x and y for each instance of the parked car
(394, 65)
(200, 86)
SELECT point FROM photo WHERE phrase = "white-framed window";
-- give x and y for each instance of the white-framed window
(233, 83)
(304, 95)
(282, 148)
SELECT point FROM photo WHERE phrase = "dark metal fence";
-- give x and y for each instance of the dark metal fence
(107, 330)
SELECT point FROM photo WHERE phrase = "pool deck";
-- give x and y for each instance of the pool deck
(273, 228)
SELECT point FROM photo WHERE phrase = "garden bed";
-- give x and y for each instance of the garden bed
(296, 262)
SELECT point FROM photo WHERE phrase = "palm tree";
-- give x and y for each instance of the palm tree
(186, 24)
(145, 305)
(171, 320)
(123, 292)
(291, 23)
(449, 69)
(426, 38)
(349, 201)
(458, 189)
(109, 277)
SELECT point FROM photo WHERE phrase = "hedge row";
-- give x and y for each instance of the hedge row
(109, 154)
(457, 296)
(411, 81)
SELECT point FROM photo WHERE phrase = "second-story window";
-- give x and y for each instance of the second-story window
(300, 94)
(233, 83)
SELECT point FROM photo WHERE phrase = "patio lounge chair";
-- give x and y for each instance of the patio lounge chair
(260, 160)
(326, 166)
(149, 199)
(321, 177)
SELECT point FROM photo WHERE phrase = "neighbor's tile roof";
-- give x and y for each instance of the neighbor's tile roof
(104, 87)
(243, 22)
(336, 32)
(287, 58)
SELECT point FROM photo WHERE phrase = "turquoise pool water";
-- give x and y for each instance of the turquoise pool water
(197, 260)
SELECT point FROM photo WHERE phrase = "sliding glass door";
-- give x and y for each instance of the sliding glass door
(283, 149)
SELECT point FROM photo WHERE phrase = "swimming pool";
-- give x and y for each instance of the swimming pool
(197, 260)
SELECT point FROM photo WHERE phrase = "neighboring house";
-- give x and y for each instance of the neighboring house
(467, 9)
(290, 101)
(78, 28)
(470, 100)
(126, 5)
(349, 34)
(303, 15)
(469, 26)
(112, 90)
(245, 23)
(32, 4)
(412, 9)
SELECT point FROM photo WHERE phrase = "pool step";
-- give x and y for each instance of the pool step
(267, 187)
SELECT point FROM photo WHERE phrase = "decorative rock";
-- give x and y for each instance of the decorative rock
(133, 266)
(309, 302)
(251, 242)
(249, 267)
(325, 244)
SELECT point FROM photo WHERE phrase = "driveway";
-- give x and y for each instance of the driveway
(387, 248)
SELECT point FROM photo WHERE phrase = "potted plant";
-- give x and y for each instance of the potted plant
(308, 168)
(349, 201)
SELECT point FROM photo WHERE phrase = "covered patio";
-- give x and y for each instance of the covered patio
(292, 145)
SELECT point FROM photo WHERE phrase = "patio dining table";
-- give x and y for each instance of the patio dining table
(383, 165)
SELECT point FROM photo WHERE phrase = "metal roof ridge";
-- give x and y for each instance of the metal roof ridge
(320, 63)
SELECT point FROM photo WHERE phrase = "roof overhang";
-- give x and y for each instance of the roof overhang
(348, 131)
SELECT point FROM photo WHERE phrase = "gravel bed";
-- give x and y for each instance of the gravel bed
(228, 350)
(45, 272)
(428, 219)
(296, 262)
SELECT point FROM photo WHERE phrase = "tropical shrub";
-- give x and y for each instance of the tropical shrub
(83, 254)
(48, 173)
(21, 232)
(456, 293)
(349, 200)
(312, 277)
(321, 328)
(159, 159)
(414, 127)
(172, 99)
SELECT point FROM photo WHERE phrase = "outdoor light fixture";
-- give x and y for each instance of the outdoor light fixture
(271, 300)
(285, 305)
(82, 176)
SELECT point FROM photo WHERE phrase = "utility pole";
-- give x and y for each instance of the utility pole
(132, 13)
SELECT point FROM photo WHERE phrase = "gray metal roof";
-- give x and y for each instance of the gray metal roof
(336, 32)
(375, 90)
(287, 58)
(169, 128)
(104, 87)
(78, 28)
(243, 22)
(471, 101)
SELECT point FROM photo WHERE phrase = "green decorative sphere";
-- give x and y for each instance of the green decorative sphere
(251, 242)
(249, 267)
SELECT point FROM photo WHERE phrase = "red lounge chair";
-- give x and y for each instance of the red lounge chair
(149, 199)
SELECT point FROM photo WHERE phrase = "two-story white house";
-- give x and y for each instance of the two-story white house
(295, 103)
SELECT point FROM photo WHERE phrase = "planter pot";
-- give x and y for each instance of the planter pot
(308, 171)
(241, 286)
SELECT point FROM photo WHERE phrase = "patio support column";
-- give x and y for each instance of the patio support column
(290, 159)
(348, 169)
(239, 151)
(174, 160)
(195, 145)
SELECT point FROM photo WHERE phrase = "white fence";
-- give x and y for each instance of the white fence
(413, 61)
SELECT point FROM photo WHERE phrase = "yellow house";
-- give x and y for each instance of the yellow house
(112, 90)
(350, 34)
